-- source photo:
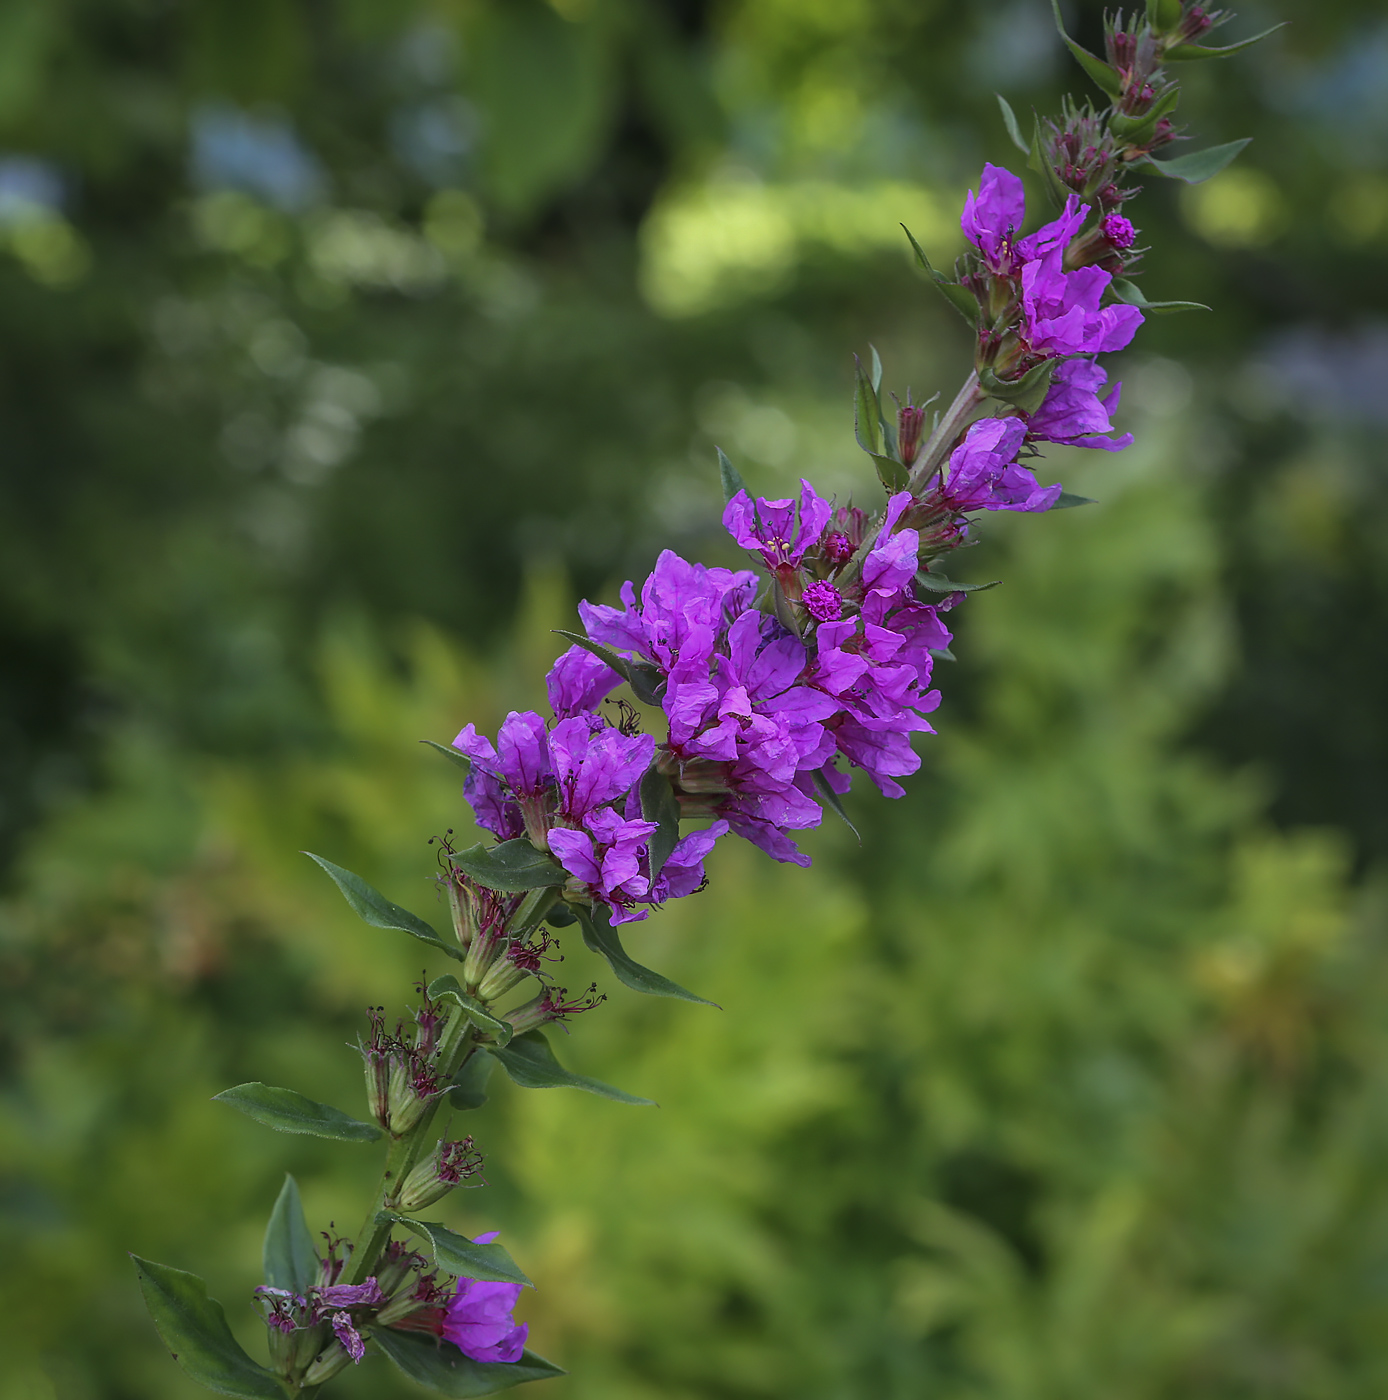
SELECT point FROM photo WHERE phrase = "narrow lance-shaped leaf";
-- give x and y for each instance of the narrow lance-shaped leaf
(373, 908)
(288, 1259)
(451, 754)
(1067, 501)
(1009, 120)
(1131, 293)
(867, 413)
(892, 474)
(530, 1062)
(1105, 76)
(444, 1369)
(469, 1087)
(1163, 14)
(1198, 166)
(449, 986)
(291, 1112)
(659, 805)
(1038, 161)
(512, 867)
(833, 801)
(1183, 53)
(646, 681)
(934, 582)
(601, 937)
(458, 1254)
(194, 1328)
(960, 298)
(1026, 393)
(729, 475)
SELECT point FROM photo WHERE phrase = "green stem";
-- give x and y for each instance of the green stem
(946, 430)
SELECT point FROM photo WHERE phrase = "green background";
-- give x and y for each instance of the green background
(344, 345)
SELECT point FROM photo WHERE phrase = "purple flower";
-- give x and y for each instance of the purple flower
(683, 871)
(510, 786)
(1119, 231)
(992, 218)
(579, 681)
(983, 473)
(478, 1319)
(607, 860)
(823, 601)
(891, 563)
(594, 763)
(348, 1335)
(1073, 411)
(1062, 311)
(352, 1295)
(685, 610)
(772, 529)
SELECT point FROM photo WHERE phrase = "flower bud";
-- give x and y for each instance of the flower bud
(551, 1005)
(448, 1166)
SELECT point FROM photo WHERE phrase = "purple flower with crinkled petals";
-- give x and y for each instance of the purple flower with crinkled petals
(517, 768)
(348, 1335)
(992, 218)
(823, 601)
(578, 682)
(683, 871)
(778, 530)
(478, 1318)
(891, 563)
(1062, 311)
(1074, 413)
(983, 472)
(594, 763)
(606, 859)
(351, 1295)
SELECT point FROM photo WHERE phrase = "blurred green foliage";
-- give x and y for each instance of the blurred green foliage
(343, 344)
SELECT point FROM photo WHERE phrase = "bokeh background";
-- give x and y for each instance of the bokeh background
(344, 344)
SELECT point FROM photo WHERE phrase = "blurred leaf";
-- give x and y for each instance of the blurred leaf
(1066, 501)
(449, 986)
(833, 801)
(511, 866)
(469, 1088)
(288, 1259)
(729, 475)
(451, 754)
(1198, 165)
(194, 1328)
(373, 908)
(1105, 76)
(1026, 393)
(1163, 15)
(644, 679)
(601, 937)
(442, 1368)
(291, 1112)
(658, 804)
(891, 473)
(1185, 52)
(867, 412)
(960, 298)
(459, 1255)
(1131, 293)
(934, 582)
(1009, 120)
(530, 1062)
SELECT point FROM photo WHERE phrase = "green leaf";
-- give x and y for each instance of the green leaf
(832, 800)
(511, 867)
(943, 654)
(288, 1258)
(194, 1328)
(459, 1255)
(1026, 393)
(449, 986)
(601, 937)
(1066, 501)
(451, 754)
(469, 1087)
(1131, 293)
(867, 412)
(1198, 166)
(530, 1062)
(1183, 53)
(731, 478)
(938, 583)
(1163, 14)
(444, 1369)
(876, 369)
(1141, 129)
(1009, 120)
(1106, 77)
(373, 908)
(890, 473)
(659, 804)
(960, 298)
(645, 680)
(290, 1112)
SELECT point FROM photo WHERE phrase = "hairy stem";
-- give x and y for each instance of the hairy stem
(940, 442)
